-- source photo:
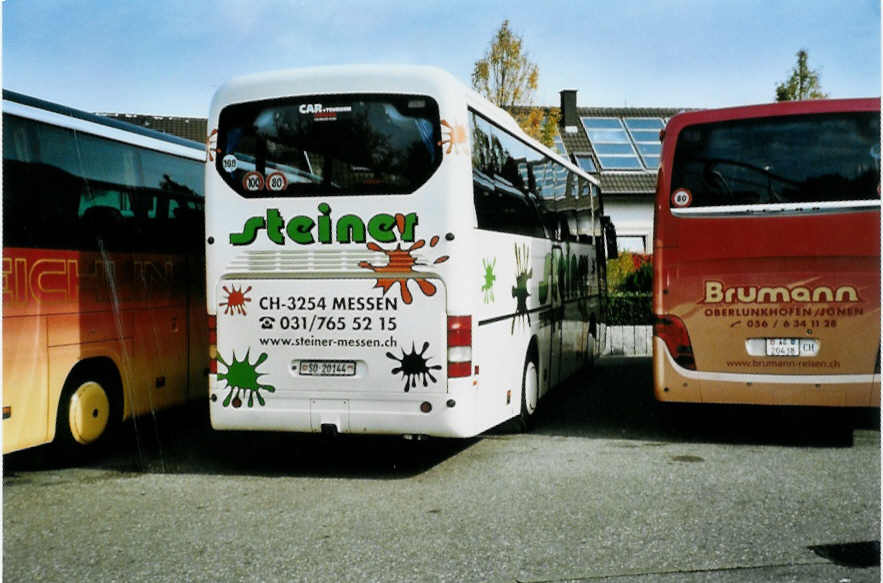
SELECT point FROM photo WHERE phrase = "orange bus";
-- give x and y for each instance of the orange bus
(103, 274)
(767, 256)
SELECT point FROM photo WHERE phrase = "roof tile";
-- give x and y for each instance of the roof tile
(191, 128)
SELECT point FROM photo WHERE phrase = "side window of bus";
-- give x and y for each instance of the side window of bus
(482, 154)
(186, 222)
(584, 226)
(19, 168)
(175, 184)
(523, 214)
(547, 215)
(172, 174)
(584, 216)
(111, 212)
(42, 184)
(573, 225)
(572, 188)
(563, 228)
(555, 183)
(584, 191)
(501, 181)
(483, 173)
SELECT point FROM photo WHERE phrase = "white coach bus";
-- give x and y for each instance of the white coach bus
(388, 253)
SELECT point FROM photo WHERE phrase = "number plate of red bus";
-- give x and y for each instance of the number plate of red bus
(328, 368)
(783, 347)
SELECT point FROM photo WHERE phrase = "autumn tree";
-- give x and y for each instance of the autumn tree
(802, 84)
(506, 77)
(540, 123)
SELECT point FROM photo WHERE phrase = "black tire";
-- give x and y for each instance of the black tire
(589, 355)
(88, 411)
(530, 385)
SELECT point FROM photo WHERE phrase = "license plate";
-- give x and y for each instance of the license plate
(327, 368)
(792, 347)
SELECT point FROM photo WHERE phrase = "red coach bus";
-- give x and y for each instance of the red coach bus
(767, 256)
(103, 273)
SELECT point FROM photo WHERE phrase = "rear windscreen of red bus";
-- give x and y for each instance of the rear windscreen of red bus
(779, 160)
(329, 144)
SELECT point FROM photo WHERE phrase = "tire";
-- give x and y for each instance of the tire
(530, 390)
(87, 412)
(591, 344)
(589, 355)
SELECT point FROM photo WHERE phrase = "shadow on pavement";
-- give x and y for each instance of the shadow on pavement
(615, 400)
(181, 441)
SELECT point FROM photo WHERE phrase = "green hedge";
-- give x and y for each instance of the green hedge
(629, 309)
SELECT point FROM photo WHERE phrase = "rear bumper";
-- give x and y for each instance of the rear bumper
(368, 413)
(674, 383)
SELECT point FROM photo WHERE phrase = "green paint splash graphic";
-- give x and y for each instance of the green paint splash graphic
(489, 278)
(242, 377)
(519, 290)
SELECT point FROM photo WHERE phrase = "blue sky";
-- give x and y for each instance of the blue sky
(168, 57)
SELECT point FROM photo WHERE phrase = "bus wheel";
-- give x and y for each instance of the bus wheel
(591, 341)
(589, 354)
(530, 392)
(84, 413)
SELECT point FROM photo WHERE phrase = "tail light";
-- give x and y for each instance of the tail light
(213, 344)
(673, 332)
(459, 346)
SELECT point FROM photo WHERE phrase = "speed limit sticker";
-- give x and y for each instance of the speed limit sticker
(253, 181)
(277, 182)
(681, 198)
(230, 163)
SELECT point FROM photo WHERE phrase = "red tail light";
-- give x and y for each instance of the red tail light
(213, 345)
(673, 332)
(459, 346)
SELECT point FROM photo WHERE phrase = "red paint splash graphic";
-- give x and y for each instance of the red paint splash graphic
(401, 261)
(235, 300)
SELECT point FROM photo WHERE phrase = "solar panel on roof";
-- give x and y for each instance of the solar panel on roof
(644, 123)
(630, 143)
(620, 162)
(602, 123)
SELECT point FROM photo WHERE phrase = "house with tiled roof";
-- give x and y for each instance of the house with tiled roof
(621, 147)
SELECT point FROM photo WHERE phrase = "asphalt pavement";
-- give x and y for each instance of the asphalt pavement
(609, 486)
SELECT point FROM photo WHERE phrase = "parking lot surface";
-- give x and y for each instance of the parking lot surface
(609, 486)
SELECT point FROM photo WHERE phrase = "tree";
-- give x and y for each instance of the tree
(802, 84)
(504, 75)
(540, 123)
(507, 78)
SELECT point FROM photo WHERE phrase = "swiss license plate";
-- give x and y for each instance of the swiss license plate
(328, 368)
(782, 347)
(792, 347)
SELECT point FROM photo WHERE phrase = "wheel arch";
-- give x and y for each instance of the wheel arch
(533, 350)
(98, 367)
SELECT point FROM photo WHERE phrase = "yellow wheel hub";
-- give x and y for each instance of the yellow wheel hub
(89, 412)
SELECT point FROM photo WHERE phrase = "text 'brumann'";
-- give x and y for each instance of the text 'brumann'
(716, 292)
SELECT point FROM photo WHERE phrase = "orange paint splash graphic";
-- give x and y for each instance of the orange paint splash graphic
(401, 261)
(235, 300)
(452, 137)
(211, 143)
